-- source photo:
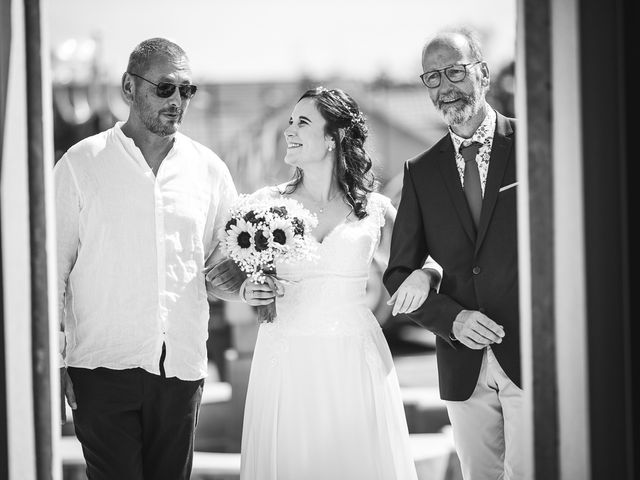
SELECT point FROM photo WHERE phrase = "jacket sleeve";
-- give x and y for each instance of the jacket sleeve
(408, 244)
(410, 251)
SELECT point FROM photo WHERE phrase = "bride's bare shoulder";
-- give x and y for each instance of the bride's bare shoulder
(267, 192)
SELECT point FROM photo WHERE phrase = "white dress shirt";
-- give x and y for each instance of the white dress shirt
(131, 252)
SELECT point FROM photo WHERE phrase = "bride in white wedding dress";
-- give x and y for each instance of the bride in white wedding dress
(323, 400)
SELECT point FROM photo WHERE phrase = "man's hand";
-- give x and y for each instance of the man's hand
(475, 330)
(256, 294)
(66, 388)
(224, 279)
(412, 293)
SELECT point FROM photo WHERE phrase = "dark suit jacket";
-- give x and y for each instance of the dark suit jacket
(480, 270)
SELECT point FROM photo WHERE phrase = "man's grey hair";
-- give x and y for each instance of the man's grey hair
(471, 36)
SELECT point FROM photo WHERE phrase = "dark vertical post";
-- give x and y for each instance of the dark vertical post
(38, 237)
(606, 60)
(539, 117)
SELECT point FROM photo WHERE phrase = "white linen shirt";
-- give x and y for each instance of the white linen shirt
(131, 252)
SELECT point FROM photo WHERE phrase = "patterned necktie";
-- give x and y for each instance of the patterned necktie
(472, 188)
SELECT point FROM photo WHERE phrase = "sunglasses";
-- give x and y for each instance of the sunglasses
(166, 89)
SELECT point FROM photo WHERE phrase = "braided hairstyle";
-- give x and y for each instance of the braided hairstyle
(346, 125)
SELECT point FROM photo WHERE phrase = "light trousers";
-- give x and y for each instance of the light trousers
(488, 427)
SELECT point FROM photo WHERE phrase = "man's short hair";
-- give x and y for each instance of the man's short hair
(142, 55)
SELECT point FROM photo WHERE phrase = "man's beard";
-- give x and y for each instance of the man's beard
(152, 121)
(462, 112)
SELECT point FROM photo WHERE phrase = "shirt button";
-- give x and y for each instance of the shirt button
(476, 270)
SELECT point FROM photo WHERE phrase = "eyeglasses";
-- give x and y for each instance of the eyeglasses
(166, 89)
(455, 74)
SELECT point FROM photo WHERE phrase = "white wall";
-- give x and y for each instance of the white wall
(14, 205)
(14, 202)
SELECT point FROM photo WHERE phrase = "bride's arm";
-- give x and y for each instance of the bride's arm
(382, 253)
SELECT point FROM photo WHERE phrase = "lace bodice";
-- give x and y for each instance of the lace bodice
(333, 283)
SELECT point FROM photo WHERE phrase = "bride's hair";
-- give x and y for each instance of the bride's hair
(347, 126)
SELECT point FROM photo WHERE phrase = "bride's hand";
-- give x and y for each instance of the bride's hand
(256, 294)
(412, 293)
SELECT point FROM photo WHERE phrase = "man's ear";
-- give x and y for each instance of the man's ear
(486, 78)
(128, 87)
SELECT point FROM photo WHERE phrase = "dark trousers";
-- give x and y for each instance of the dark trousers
(134, 425)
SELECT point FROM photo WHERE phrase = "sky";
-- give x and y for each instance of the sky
(270, 40)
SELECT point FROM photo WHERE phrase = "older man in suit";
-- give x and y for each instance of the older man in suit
(458, 206)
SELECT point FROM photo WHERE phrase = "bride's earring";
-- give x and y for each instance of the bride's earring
(330, 148)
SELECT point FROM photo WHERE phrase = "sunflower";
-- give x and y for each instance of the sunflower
(262, 239)
(239, 240)
(282, 232)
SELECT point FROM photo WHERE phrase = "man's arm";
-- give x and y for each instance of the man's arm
(67, 210)
(410, 257)
(416, 287)
(224, 279)
(408, 245)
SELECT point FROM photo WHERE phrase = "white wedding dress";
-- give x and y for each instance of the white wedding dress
(323, 400)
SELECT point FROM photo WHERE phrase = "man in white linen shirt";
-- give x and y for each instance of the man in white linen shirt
(138, 208)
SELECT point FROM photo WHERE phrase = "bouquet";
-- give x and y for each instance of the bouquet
(261, 231)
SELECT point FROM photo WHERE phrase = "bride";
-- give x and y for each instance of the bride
(323, 400)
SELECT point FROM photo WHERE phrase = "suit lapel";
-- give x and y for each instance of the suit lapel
(451, 177)
(500, 153)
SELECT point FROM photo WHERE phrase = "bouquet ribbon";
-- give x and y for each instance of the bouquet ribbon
(267, 313)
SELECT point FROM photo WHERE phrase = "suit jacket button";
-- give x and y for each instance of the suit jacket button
(476, 270)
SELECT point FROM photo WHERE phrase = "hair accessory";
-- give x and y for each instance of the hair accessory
(357, 119)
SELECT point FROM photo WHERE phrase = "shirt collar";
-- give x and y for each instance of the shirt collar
(131, 147)
(483, 135)
(128, 144)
